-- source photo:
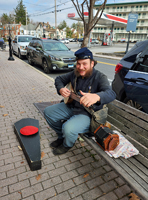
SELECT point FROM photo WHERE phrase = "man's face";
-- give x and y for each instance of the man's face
(84, 67)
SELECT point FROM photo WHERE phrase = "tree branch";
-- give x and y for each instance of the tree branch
(82, 5)
(78, 9)
(95, 19)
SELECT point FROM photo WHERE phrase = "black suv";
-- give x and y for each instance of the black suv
(126, 74)
(50, 54)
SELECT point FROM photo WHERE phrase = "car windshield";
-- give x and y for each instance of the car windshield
(24, 39)
(55, 46)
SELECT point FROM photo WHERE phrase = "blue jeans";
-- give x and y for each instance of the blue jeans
(74, 124)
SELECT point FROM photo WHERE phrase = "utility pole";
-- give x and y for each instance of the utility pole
(26, 21)
(55, 20)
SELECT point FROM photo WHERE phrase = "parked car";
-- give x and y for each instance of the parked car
(71, 39)
(75, 39)
(65, 41)
(136, 82)
(20, 43)
(2, 44)
(126, 74)
(52, 55)
(94, 41)
(80, 39)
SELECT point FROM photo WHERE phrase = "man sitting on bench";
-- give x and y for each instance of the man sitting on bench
(93, 88)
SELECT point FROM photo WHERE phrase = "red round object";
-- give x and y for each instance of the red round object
(28, 130)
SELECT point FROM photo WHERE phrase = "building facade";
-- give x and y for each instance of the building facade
(123, 10)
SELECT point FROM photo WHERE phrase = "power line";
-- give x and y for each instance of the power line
(49, 12)
(47, 8)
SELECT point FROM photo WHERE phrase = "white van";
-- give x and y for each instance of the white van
(20, 43)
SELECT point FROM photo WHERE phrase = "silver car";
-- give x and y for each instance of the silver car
(20, 43)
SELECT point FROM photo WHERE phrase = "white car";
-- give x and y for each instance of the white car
(65, 41)
(20, 43)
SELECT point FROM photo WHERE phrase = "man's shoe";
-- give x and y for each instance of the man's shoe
(61, 150)
(56, 143)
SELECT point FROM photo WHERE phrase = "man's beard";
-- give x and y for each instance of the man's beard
(88, 73)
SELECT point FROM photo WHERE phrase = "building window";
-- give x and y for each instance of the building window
(124, 14)
(119, 14)
(116, 14)
(141, 28)
(142, 21)
(98, 28)
(122, 29)
(114, 28)
(114, 8)
(144, 15)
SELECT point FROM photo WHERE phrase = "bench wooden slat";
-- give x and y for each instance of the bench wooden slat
(132, 174)
(129, 123)
(130, 109)
(140, 173)
(129, 131)
(141, 148)
(140, 158)
(115, 165)
(139, 165)
(131, 118)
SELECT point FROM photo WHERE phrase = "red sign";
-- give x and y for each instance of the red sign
(71, 15)
(85, 13)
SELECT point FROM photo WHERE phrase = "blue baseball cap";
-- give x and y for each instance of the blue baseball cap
(84, 53)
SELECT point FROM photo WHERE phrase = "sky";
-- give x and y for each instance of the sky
(43, 10)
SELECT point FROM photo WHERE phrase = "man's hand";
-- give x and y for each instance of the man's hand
(65, 92)
(89, 99)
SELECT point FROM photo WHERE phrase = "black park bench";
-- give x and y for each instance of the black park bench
(133, 125)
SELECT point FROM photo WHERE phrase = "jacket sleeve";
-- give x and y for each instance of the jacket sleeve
(62, 81)
(105, 92)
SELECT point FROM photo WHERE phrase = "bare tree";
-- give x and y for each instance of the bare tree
(91, 21)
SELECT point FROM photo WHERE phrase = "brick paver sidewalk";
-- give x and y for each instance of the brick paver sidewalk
(78, 174)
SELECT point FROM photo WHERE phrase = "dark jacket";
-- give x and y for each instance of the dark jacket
(97, 83)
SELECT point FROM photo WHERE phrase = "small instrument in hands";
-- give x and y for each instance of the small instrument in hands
(72, 96)
(68, 100)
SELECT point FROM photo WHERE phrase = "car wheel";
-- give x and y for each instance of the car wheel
(29, 59)
(19, 54)
(45, 66)
(132, 103)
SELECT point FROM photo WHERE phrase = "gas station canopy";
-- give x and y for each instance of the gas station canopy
(106, 19)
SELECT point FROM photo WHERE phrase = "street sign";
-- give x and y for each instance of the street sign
(132, 22)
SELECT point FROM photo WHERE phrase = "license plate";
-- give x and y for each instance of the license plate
(70, 66)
